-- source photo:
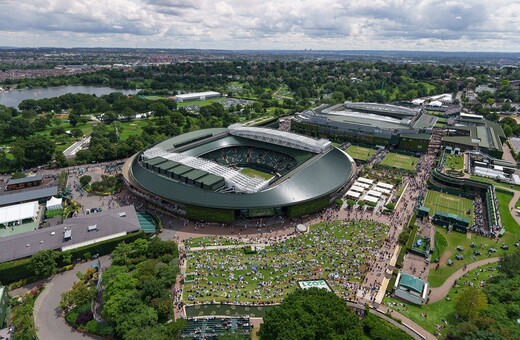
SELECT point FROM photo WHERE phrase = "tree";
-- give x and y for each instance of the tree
(80, 294)
(60, 159)
(85, 180)
(35, 150)
(18, 175)
(311, 314)
(510, 264)
(43, 263)
(508, 131)
(470, 303)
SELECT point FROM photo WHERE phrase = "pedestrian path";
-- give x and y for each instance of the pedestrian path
(440, 293)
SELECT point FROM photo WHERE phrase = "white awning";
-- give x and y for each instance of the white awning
(18, 212)
(365, 180)
(385, 185)
(353, 194)
(361, 184)
(369, 198)
(374, 193)
(383, 190)
(356, 188)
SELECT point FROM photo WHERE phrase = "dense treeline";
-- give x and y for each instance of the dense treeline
(491, 312)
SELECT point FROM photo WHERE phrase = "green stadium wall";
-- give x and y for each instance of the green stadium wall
(307, 208)
(210, 214)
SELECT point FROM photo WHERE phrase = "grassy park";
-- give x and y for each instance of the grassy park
(360, 153)
(399, 161)
(266, 275)
(443, 309)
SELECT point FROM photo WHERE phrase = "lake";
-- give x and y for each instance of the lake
(15, 97)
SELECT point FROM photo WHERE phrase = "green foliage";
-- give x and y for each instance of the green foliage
(307, 208)
(311, 314)
(127, 253)
(17, 175)
(390, 206)
(43, 263)
(98, 328)
(339, 202)
(158, 247)
(210, 214)
(22, 319)
(82, 293)
(85, 180)
(470, 303)
(107, 184)
(62, 181)
(13, 271)
(509, 264)
(351, 202)
(378, 329)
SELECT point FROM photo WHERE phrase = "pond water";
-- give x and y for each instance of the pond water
(15, 97)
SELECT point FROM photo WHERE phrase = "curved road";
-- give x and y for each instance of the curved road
(48, 318)
(440, 293)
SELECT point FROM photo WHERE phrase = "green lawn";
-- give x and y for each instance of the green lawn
(256, 173)
(131, 128)
(443, 309)
(495, 183)
(440, 245)
(438, 201)
(360, 153)
(399, 161)
(454, 162)
(508, 221)
(325, 251)
(199, 102)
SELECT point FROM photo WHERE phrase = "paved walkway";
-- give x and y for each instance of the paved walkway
(230, 246)
(440, 293)
(512, 204)
(48, 317)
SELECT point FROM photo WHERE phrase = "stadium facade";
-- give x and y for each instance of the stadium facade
(211, 174)
(401, 127)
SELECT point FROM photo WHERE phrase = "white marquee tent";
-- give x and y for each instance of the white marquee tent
(18, 212)
(54, 203)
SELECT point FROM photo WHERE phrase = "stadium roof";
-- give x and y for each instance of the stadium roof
(197, 95)
(27, 195)
(109, 223)
(18, 212)
(283, 138)
(25, 179)
(382, 108)
(334, 169)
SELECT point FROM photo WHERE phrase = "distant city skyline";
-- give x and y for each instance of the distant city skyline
(417, 25)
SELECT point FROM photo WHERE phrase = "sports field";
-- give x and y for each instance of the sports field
(438, 201)
(455, 162)
(360, 153)
(399, 161)
(255, 173)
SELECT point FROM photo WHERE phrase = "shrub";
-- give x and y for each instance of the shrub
(87, 256)
(339, 202)
(101, 329)
(390, 206)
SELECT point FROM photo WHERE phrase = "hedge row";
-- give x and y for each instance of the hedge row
(210, 214)
(14, 271)
(308, 207)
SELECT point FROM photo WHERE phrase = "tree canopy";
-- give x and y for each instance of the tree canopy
(311, 314)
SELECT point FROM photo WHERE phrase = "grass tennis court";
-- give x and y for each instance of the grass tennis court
(455, 162)
(399, 161)
(360, 153)
(438, 201)
(256, 173)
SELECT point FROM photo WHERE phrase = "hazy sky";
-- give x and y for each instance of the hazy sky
(449, 25)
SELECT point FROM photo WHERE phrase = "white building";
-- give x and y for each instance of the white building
(196, 96)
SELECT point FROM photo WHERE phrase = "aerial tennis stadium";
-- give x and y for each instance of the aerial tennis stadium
(239, 172)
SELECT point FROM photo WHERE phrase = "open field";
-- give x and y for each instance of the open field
(454, 162)
(337, 252)
(438, 201)
(399, 161)
(443, 309)
(256, 173)
(360, 153)
(200, 102)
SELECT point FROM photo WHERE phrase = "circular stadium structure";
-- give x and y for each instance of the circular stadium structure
(239, 172)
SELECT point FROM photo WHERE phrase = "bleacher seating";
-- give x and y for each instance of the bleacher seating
(243, 156)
